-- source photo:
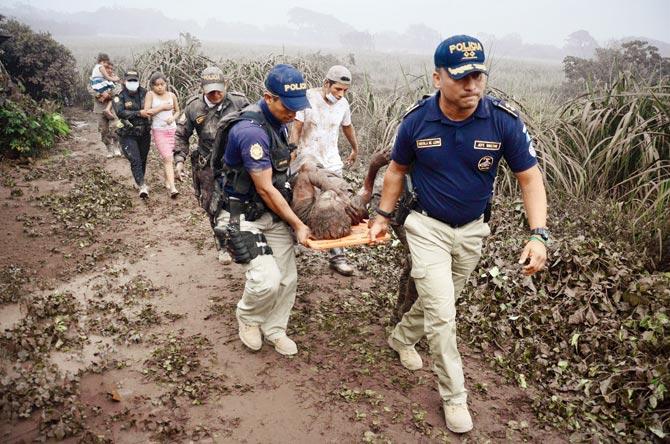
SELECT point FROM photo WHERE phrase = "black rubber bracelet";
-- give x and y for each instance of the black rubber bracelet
(386, 214)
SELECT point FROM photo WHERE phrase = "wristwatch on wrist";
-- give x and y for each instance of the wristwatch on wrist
(386, 214)
(542, 233)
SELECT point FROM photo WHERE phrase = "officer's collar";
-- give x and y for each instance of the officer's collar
(434, 113)
(211, 105)
(268, 115)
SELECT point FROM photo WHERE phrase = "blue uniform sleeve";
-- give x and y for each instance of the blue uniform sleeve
(518, 147)
(403, 147)
(253, 144)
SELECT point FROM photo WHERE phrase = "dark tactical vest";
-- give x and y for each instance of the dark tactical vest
(237, 177)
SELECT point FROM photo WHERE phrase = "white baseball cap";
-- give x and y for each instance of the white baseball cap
(339, 74)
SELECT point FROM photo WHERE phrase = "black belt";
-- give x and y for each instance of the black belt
(419, 209)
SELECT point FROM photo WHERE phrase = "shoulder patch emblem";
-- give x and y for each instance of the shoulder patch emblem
(485, 163)
(256, 151)
(116, 99)
(200, 119)
(507, 107)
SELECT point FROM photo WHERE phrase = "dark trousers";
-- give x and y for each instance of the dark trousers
(136, 150)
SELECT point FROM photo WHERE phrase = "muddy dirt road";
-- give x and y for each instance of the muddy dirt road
(117, 325)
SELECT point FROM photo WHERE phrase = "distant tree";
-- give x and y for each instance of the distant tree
(45, 68)
(421, 37)
(309, 20)
(580, 44)
(358, 40)
(637, 58)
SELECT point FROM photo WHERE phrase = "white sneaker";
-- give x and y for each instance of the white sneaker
(144, 191)
(224, 257)
(284, 345)
(457, 417)
(250, 335)
(409, 357)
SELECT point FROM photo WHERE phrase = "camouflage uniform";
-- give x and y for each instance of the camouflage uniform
(198, 116)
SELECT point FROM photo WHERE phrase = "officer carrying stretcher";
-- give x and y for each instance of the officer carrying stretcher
(250, 160)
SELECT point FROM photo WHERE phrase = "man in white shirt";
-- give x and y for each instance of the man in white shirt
(316, 131)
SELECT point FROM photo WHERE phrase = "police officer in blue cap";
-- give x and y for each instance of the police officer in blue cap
(451, 143)
(251, 159)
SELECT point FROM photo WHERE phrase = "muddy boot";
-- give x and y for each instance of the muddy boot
(144, 191)
(340, 264)
(117, 150)
(110, 151)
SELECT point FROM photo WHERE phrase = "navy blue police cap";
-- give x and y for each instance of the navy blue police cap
(286, 82)
(460, 55)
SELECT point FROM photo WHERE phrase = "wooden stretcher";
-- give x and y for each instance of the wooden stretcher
(360, 235)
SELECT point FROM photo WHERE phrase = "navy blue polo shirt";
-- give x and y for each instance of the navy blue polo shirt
(455, 163)
(249, 145)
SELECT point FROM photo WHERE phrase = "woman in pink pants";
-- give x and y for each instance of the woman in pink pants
(165, 106)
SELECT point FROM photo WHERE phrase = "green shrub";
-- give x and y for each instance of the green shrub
(45, 68)
(27, 130)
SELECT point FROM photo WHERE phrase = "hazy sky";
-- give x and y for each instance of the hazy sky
(537, 21)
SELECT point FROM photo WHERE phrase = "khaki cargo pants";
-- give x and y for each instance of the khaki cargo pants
(269, 292)
(442, 259)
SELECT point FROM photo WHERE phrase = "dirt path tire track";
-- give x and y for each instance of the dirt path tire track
(345, 385)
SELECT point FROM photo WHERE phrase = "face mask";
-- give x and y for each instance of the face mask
(132, 85)
(331, 98)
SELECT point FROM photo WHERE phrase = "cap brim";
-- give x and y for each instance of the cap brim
(213, 87)
(295, 103)
(463, 70)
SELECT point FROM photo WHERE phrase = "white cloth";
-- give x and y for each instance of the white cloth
(96, 73)
(321, 129)
(160, 119)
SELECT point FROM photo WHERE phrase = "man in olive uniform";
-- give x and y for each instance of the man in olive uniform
(202, 114)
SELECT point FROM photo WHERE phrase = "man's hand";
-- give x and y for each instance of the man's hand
(351, 159)
(302, 233)
(179, 171)
(146, 113)
(535, 253)
(378, 228)
(169, 120)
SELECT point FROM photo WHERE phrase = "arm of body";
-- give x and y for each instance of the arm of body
(378, 160)
(350, 134)
(393, 183)
(275, 201)
(535, 203)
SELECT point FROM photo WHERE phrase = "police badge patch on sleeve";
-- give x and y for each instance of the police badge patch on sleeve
(256, 151)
